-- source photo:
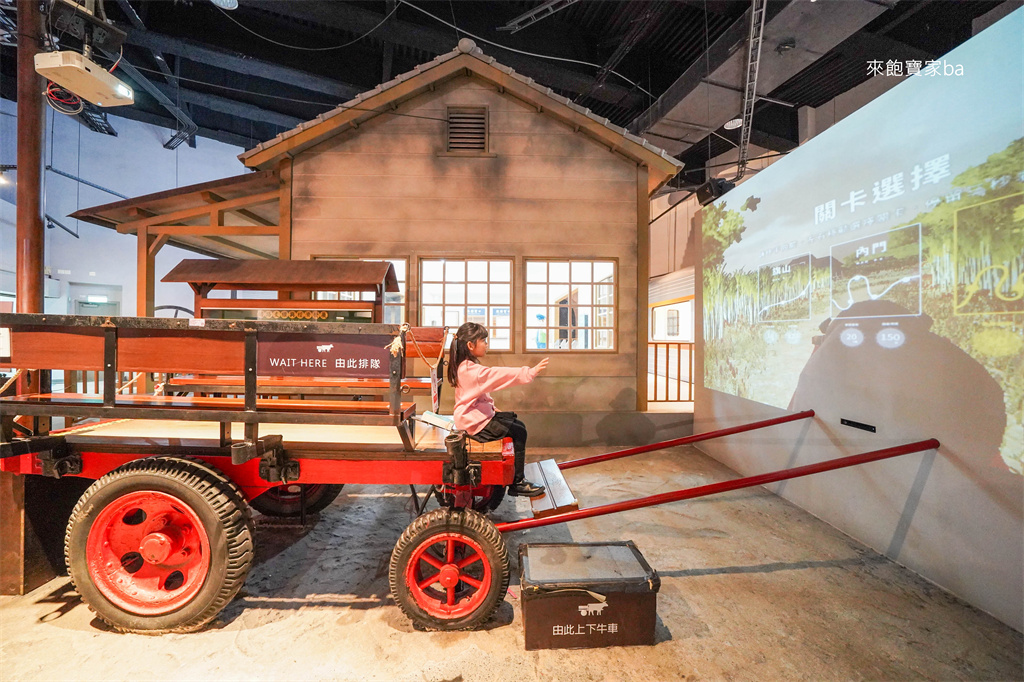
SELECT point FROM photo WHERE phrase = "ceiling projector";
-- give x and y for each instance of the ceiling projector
(87, 79)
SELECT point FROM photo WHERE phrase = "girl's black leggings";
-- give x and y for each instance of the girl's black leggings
(502, 425)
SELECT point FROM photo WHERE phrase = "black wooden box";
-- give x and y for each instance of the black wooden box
(586, 595)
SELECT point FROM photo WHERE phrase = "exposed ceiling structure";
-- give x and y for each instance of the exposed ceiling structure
(670, 70)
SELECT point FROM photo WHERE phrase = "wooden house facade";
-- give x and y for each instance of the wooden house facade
(498, 201)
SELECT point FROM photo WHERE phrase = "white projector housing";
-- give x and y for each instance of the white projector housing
(85, 78)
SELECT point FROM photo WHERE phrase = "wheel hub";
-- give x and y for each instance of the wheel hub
(448, 575)
(157, 547)
(148, 552)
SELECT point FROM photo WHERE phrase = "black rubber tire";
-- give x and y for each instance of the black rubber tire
(317, 499)
(220, 507)
(481, 504)
(471, 525)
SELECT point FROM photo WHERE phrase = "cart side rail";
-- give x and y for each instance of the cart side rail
(685, 440)
(722, 486)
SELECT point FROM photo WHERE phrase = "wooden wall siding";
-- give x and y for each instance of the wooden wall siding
(387, 189)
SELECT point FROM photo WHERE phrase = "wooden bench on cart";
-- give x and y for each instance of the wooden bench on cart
(246, 349)
(424, 344)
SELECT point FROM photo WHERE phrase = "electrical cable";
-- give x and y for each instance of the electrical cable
(524, 52)
(290, 99)
(63, 100)
(308, 49)
(119, 58)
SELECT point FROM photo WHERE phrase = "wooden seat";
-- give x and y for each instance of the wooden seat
(493, 447)
(204, 402)
(557, 497)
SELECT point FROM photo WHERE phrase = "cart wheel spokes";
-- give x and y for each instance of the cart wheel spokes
(449, 575)
(449, 570)
(148, 552)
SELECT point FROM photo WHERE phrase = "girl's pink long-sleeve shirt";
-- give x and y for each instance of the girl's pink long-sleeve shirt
(474, 406)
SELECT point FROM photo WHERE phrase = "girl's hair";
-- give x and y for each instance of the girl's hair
(459, 352)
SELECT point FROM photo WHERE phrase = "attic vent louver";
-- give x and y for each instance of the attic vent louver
(467, 129)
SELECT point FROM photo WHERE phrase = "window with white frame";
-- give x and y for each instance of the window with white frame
(570, 305)
(458, 290)
(394, 302)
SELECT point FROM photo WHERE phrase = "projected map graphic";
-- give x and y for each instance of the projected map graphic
(989, 262)
(883, 266)
(784, 290)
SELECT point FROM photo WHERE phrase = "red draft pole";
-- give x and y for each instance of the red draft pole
(722, 487)
(685, 440)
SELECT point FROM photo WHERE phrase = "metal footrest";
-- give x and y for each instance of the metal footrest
(557, 497)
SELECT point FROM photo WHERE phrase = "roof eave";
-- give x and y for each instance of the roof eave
(353, 113)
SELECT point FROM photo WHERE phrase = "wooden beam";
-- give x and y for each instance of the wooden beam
(145, 276)
(284, 248)
(643, 270)
(158, 244)
(219, 230)
(184, 214)
(139, 213)
(241, 247)
(213, 198)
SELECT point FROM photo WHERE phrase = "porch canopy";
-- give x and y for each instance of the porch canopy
(293, 275)
(287, 277)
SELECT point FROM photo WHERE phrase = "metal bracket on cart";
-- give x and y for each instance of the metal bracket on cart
(459, 471)
(55, 456)
(274, 466)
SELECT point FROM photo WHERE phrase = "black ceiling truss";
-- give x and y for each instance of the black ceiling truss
(190, 62)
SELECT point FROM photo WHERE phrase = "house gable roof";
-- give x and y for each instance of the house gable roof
(466, 59)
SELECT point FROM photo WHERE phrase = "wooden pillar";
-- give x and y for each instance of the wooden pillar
(22, 563)
(284, 220)
(145, 288)
(643, 276)
(29, 199)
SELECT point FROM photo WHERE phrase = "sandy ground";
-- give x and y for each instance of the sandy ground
(753, 588)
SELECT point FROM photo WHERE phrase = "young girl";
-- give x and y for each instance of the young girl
(474, 408)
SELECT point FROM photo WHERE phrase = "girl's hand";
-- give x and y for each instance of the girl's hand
(542, 365)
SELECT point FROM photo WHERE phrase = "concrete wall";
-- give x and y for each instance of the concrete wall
(133, 163)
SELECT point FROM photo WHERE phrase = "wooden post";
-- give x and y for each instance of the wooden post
(145, 290)
(643, 269)
(23, 566)
(284, 222)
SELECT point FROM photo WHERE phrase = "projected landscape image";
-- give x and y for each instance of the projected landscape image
(913, 244)
(884, 266)
(783, 290)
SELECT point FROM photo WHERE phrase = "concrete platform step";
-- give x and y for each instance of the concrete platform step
(557, 497)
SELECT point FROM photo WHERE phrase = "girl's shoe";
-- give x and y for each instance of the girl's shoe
(525, 489)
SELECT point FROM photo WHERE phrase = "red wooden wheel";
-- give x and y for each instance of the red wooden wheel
(148, 553)
(449, 570)
(160, 544)
(448, 575)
